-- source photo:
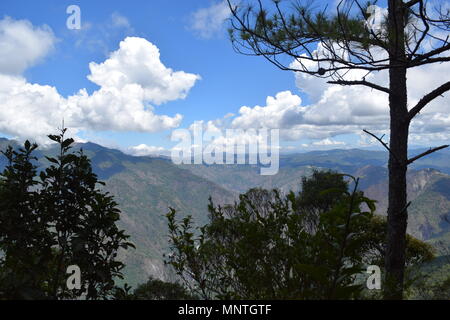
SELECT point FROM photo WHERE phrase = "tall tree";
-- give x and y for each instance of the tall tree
(25, 241)
(412, 34)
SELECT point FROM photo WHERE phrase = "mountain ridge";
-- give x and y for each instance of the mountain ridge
(146, 186)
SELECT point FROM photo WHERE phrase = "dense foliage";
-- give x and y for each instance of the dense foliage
(155, 289)
(313, 245)
(55, 219)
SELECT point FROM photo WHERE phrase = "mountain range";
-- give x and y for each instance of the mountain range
(145, 188)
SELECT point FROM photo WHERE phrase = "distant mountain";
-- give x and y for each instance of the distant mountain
(350, 160)
(145, 190)
(428, 191)
(428, 188)
(438, 160)
(240, 178)
(145, 187)
(340, 160)
(293, 167)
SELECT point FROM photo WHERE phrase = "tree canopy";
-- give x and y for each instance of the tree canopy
(269, 246)
(52, 219)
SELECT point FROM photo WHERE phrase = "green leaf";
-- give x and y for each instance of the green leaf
(54, 138)
(52, 160)
(66, 143)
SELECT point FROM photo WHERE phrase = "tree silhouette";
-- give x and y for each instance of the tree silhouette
(155, 289)
(25, 240)
(412, 34)
(50, 221)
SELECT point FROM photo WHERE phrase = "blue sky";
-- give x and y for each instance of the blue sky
(190, 41)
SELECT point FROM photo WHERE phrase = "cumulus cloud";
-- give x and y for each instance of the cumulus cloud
(137, 62)
(207, 22)
(22, 45)
(216, 136)
(130, 80)
(278, 110)
(146, 150)
(328, 142)
(285, 111)
(28, 110)
(335, 110)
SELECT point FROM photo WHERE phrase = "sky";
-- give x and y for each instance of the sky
(138, 70)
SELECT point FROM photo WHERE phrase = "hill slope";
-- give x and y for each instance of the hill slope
(429, 193)
(145, 190)
(145, 187)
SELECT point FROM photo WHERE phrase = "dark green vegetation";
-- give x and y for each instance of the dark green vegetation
(155, 289)
(54, 219)
(310, 245)
(145, 187)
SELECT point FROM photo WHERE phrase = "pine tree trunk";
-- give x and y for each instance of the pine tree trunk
(399, 129)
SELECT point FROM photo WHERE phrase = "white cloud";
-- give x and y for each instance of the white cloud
(120, 21)
(28, 110)
(278, 110)
(137, 62)
(22, 45)
(328, 142)
(130, 79)
(145, 150)
(295, 121)
(208, 21)
(217, 135)
(336, 110)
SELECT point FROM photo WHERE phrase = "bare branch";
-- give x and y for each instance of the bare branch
(380, 139)
(411, 3)
(363, 83)
(429, 61)
(423, 57)
(427, 99)
(431, 150)
(423, 17)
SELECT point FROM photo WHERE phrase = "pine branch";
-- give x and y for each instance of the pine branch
(363, 83)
